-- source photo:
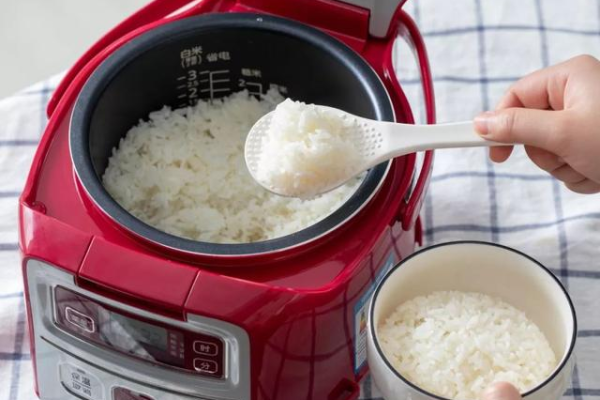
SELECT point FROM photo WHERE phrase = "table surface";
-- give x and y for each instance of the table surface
(477, 49)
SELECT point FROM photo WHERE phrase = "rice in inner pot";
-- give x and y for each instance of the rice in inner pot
(455, 344)
(183, 171)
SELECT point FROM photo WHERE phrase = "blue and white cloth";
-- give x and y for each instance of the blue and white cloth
(477, 49)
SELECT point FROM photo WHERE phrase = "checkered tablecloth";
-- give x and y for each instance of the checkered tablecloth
(477, 49)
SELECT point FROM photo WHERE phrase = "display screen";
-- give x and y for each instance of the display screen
(141, 339)
(118, 329)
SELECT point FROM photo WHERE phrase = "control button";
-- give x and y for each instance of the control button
(205, 348)
(80, 382)
(80, 320)
(205, 366)
(121, 393)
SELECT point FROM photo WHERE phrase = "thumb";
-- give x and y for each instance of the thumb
(501, 391)
(537, 128)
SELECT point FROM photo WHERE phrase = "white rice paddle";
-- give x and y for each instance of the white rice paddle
(377, 141)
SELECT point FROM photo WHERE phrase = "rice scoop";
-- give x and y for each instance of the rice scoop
(455, 344)
(305, 149)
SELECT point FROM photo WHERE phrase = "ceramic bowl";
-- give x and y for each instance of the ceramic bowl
(481, 267)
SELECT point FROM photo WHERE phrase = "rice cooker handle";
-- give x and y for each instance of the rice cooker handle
(154, 11)
(408, 29)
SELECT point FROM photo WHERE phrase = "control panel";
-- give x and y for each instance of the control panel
(90, 347)
(148, 340)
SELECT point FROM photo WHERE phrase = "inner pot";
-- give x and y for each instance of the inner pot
(222, 53)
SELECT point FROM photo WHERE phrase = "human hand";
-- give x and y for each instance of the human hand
(555, 113)
(501, 391)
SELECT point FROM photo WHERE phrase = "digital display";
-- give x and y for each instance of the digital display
(141, 339)
(119, 328)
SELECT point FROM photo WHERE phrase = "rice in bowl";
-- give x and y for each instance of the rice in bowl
(183, 172)
(455, 344)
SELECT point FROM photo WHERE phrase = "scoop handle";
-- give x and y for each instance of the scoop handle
(405, 139)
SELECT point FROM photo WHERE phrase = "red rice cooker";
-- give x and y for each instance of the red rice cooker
(119, 310)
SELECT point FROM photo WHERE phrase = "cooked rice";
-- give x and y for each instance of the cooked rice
(306, 150)
(455, 344)
(183, 171)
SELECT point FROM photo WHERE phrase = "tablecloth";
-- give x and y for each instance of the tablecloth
(477, 49)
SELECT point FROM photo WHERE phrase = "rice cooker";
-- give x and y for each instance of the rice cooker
(118, 310)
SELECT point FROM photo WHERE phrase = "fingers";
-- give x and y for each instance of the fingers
(542, 90)
(552, 113)
(585, 187)
(545, 89)
(553, 164)
(537, 128)
(545, 160)
(524, 115)
(568, 175)
(500, 153)
(501, 391)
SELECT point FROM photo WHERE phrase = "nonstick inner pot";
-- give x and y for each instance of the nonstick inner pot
(212, 56)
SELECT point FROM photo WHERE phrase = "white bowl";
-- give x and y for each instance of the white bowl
(481, 267)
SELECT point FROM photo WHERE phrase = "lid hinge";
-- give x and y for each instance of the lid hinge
(329, 15)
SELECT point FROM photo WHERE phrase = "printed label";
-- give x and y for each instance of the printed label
(80, 382)
(360, 316)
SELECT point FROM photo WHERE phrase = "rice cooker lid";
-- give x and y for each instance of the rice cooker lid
(103, 75)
